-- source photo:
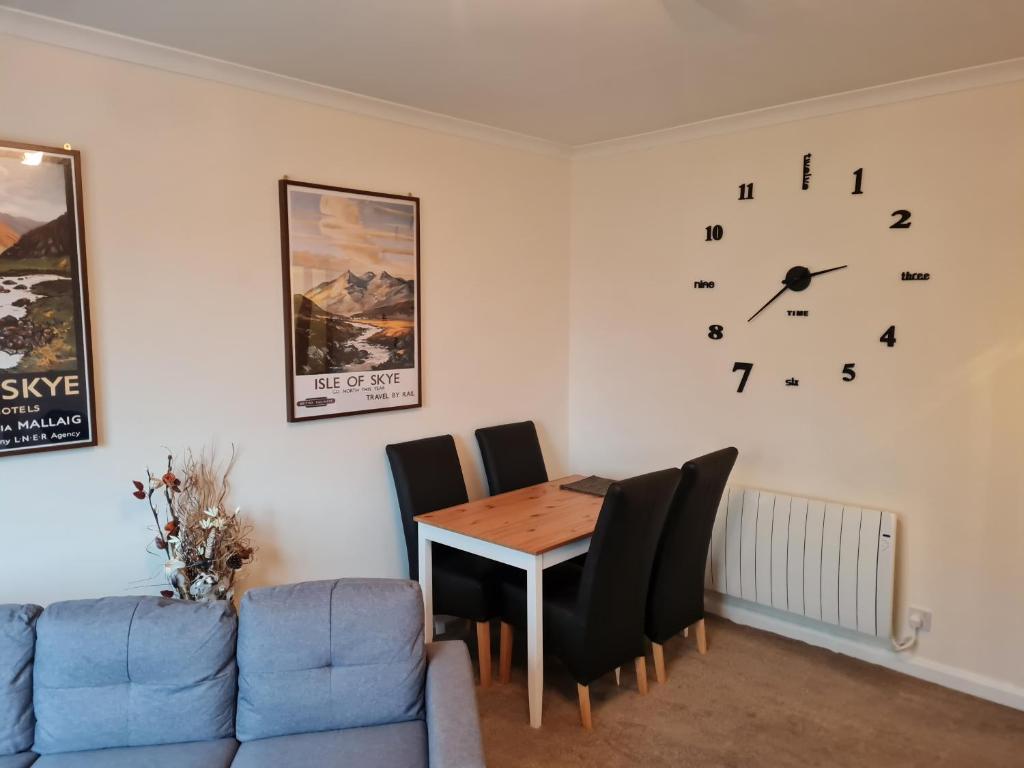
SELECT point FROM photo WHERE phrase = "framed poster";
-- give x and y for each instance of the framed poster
(351, 300)
(46, 386)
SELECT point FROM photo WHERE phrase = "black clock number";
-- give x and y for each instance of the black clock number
(713, 233)
(858, 178)
(889, 337)
(716, 332)
(747, 191)
(904, 219)
(746, 368)
(848, 373)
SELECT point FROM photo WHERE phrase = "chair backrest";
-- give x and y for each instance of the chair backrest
(512, 456)
(428, 476)
(676, 597)
(613, 588)
(327, 655)
(110, 672)
(17, 649)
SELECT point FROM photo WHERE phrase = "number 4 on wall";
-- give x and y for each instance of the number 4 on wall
(889, 337)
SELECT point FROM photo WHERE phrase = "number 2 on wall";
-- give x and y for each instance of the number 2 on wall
(746, 368)
(904, 219)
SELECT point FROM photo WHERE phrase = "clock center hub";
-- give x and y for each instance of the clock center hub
(797, 278)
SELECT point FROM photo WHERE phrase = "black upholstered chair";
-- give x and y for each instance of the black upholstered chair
(594, 614)
(512, 456)
(428, 477)
(675, 600)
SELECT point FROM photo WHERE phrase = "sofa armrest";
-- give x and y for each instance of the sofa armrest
(453, 724)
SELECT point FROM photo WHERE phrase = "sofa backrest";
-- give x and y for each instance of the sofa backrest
(17, 647)
(327, 655)
(133, 671)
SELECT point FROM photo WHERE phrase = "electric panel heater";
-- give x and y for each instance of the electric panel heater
(826, 561)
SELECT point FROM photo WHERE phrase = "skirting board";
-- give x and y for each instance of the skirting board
(873, 652)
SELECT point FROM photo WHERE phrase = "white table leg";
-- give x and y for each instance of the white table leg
(535, 638)
(426, 584)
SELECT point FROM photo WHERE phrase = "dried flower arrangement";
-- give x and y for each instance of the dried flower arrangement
(205, 544)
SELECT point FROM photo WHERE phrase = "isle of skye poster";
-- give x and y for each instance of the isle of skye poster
(46, 388)
(351, 300)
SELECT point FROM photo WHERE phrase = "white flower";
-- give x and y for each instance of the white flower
(212, 511)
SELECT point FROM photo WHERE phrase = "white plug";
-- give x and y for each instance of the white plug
(919, 619)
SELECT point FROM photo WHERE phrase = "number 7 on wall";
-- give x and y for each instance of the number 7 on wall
(746, 368)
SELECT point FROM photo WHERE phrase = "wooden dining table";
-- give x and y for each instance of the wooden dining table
(532, 528)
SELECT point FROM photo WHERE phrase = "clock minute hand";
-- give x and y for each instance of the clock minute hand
(767, 303)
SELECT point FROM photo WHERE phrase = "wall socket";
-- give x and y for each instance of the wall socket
(920, 618)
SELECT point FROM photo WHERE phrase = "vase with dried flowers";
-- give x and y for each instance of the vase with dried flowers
(205, 544)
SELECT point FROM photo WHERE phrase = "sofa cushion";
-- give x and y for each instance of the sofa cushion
(133, 671)
(399, 745)
(21, 760)
(327, 655)
(17, 647)
(192, 754)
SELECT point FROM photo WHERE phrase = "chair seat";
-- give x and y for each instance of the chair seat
(397, 745)
(561, 588)
(466, 585)
(20, 760)
(193, 754)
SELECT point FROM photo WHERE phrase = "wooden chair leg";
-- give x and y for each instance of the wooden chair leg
(584, 693)
(658, 651)
(618, 675)
(483, 649)
(641, 674)
(505, 653)
(702, 637)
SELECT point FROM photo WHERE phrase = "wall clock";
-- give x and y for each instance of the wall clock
(802, 276)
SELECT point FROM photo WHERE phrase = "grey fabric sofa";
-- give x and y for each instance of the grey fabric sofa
(330, 673)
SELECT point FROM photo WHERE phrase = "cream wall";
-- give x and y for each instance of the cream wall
(184, 265)
(932, 429)
(184, 260)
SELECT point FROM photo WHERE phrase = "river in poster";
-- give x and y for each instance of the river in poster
(352, 271)
(45, 373)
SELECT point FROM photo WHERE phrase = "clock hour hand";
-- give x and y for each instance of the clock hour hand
(767, 303)
(826, 271)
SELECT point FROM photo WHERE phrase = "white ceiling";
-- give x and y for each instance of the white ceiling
(575, 71)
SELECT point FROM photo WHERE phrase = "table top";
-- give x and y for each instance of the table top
(534, 520)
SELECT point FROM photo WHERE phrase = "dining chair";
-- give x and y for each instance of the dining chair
(594, 614)
(428, 477)
(512, 456)
(675, 600)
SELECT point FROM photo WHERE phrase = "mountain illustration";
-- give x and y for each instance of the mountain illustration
(8, 237)
(47, 248)
(367, 295)
(19, 224)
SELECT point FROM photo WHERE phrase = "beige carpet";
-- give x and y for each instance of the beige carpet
(756, 699)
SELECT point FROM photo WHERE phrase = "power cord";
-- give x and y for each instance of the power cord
(907, 643)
